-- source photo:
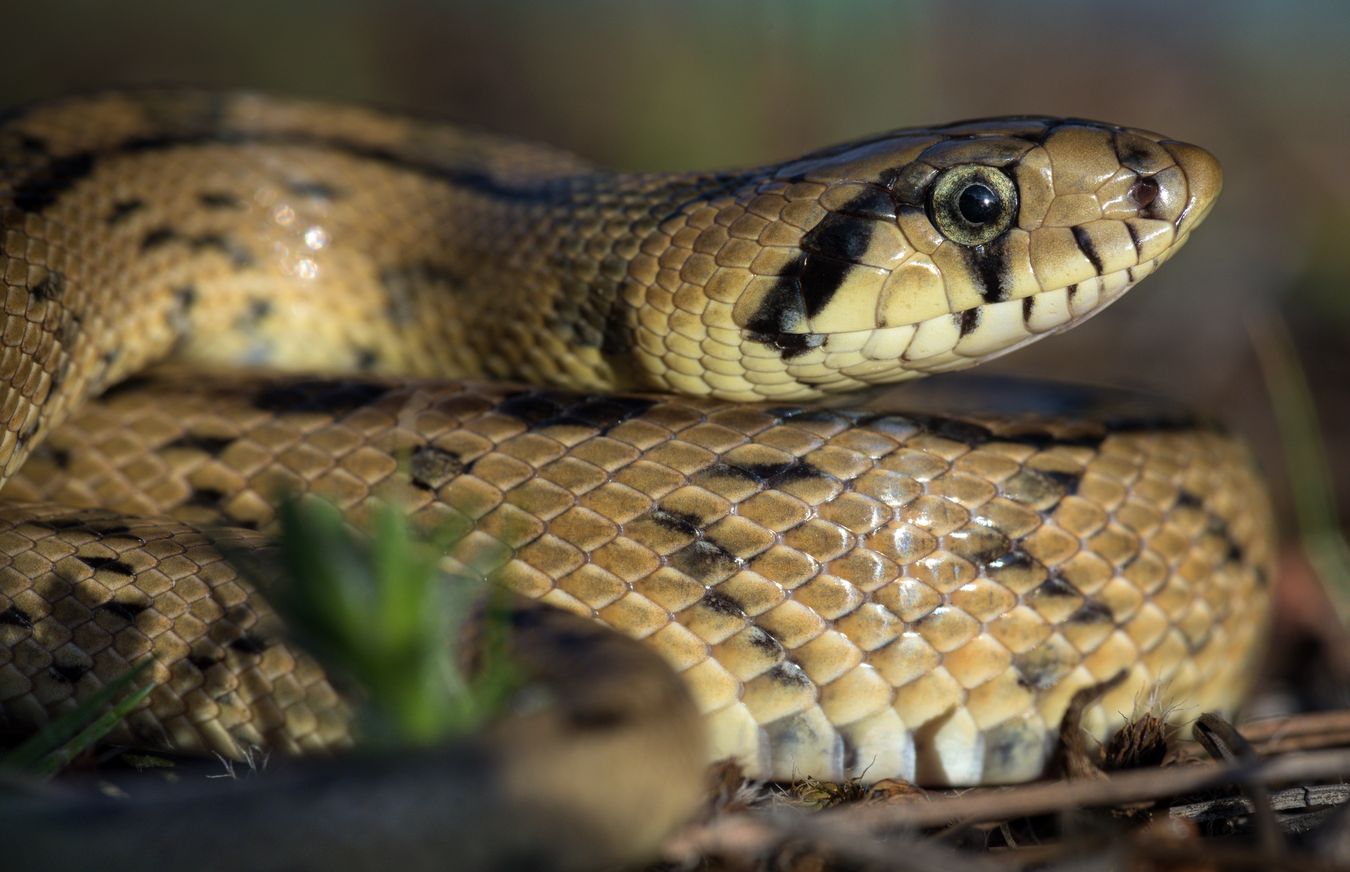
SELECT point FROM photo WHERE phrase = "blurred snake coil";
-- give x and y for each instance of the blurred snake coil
(864, 592)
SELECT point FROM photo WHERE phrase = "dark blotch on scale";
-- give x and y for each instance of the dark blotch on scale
(124, 209)
(204, 443)
(989, 263)
(16, 617)
(124, 610)
(1089, 248)
(49, 287)
(220, 200)
(722, 604)
(312, 190)
(250, 643)
(107, 563)
(968, 320)
(69, 673)
(319, 395)
(432, 467)
(205, 498)
(703, 559)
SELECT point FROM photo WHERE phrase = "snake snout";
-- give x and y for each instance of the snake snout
(1204, 181)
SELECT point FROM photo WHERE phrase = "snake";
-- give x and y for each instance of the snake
(634, 389)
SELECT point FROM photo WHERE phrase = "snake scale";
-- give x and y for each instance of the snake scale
(845, 592)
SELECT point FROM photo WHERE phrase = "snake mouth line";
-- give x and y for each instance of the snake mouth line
(963, 338)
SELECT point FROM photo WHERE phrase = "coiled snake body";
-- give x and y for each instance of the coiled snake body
(882, 593)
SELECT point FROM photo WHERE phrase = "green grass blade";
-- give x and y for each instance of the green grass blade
(94, 733)
(384, 615)
(51, 748)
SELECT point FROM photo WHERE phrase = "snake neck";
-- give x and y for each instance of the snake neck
(259, 232)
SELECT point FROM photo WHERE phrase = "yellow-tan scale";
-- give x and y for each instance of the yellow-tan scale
(903, 597)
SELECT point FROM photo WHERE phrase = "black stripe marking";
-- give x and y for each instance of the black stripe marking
(312, 190)
(212, 445)
(783, 308)
(124, 209)
(1069, 481)
(26, 435)
(156, 237)
(124, 610)
(778, 474)
(33, 144)
(820, 278)
(542, 408)
(1028, 307)
(794, 345)
(1089, 248)
(16, 617)
(1092, 612)
(238, 255)
(1072, 291)
(831, 249)
(205, 497)
(59, 377)
(680, 522)
(68, 673)
(258, 309)
(874, 202)
(762, 640)
(128, 385)
(1188, 500)
(704, 559)
(367, 359)
(185, 298)
(108, 563)
(1134, 240)
(220, 200)
(1014, 559)
(593, 715)
(432, 467)
(722, 604)
(60, 523)
(319, 395)
(202, 663)
(113, 531)
(69, 331)
(1038, 668)
(789, 674)
(989, 264)
(40, 190)
(968, 320)
(250, 643)
(1056, 586)
(838, 235)
(50, 287)
(808, 283)
(532, 408)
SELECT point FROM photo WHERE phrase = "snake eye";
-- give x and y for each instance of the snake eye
(973, 203)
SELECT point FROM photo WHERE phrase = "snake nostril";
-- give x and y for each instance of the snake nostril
(1144, 191)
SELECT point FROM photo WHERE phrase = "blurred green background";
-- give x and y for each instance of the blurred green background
(711, 82)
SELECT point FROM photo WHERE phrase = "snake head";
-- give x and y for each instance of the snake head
(934, 249)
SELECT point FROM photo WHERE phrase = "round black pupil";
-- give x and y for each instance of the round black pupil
(978, 204)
